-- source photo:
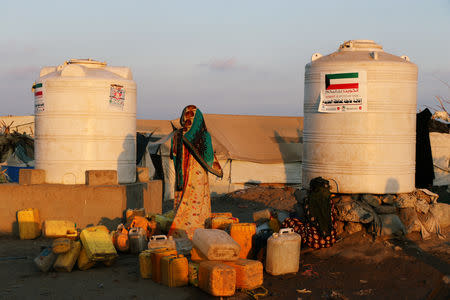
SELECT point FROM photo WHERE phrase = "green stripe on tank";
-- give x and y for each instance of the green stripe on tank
(342, 75)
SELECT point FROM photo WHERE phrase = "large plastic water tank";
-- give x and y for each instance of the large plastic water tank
(360, 120)
(85, 114)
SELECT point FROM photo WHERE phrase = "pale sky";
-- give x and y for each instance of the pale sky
(226, 57)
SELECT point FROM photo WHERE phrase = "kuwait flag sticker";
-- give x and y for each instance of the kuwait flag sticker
(38, 97)
(343, 92)
(37, 88)
(341, 81)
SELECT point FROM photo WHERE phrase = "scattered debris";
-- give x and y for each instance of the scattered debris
(304, 291)
(309, 272)
(337, 295)
(364, 292)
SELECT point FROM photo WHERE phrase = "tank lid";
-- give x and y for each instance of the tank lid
(360, 45)
(85, 61)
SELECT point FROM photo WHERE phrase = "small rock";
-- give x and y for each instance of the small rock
(354, 212)
(366, 292)
(346, 198)
(422, 206)
(352, 227)
(385, 209)
(372, 200)
(388, 199)
(405, 200)
(446, 279)
(398, 248)
(363, 281)
(336, 295)
(339, 227)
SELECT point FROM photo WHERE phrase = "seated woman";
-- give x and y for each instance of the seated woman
(193, 157)
(318, 229)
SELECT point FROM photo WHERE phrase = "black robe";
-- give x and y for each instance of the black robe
(424, 159)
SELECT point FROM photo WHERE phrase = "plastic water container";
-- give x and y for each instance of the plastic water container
(249, 273)
(197, 256)
(131, 213)
(45, 260)
(243, 234)
(174, 270)
(216, 244)
(85, 119)
(283, 252)
(61, 245)
(120, 239)
(359, 130)
(193, 273)
(223, 222)
(161, 241)
(83, 262)
(66, 261)
(98, 243)
(145, 264)
(156, 257)
(217, 278)
(58, 228)
(29, 223)
(137, 239)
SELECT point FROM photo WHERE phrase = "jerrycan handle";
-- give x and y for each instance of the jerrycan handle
(158, 237)
(286, 230)
(134, 230)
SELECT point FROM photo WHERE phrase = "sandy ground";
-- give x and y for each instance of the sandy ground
(357, 267)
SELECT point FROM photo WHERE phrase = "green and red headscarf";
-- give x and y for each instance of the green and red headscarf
(194, 136)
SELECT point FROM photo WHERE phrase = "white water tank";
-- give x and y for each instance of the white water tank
(85, 114)
(360, 120)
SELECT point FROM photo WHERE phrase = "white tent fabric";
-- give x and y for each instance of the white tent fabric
(440, 149)
(250, 149)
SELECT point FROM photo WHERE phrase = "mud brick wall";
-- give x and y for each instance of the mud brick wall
(83, 204)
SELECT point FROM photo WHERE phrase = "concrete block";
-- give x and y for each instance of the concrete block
(153, 196)
(101, 177)
(142, 174)
(31, 176)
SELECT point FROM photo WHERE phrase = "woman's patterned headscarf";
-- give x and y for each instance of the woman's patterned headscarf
(194, 136)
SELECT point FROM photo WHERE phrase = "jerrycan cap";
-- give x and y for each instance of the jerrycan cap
(286, 230)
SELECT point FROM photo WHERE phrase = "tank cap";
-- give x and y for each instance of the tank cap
(406, 58)
(316, 56)
(85, 61)
(360, 45)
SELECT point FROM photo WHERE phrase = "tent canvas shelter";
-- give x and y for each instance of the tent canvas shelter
(250, 149)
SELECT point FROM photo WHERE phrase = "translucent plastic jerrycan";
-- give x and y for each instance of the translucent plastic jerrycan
(161, 241)
(137, 239)
(283, 252)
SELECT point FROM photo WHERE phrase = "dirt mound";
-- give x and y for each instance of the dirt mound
(277, 198)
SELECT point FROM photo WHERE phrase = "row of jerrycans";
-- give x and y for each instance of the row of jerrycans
(164, 266)
(282, 249)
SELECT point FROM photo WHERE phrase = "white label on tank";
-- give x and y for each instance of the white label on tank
(38, 98)
(117, 96)
(344, 91)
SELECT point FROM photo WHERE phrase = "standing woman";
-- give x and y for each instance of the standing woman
(193, 157)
